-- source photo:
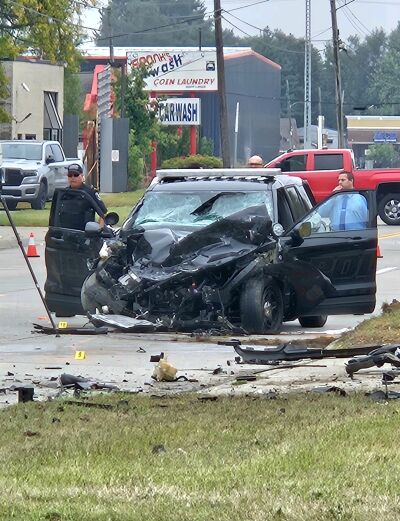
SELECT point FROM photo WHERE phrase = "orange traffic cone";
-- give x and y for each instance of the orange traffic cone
(378, 252)
(31, 251)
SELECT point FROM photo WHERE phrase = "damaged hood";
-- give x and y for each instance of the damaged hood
(159, 253)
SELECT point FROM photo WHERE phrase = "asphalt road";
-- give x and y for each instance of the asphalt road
(20, 304)
(115, 357)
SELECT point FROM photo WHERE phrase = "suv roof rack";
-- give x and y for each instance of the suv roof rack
(219, 173)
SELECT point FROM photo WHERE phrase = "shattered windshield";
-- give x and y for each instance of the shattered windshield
(196, 209)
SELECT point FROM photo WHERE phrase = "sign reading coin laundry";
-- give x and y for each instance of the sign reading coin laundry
(179, 111)
(176, 70)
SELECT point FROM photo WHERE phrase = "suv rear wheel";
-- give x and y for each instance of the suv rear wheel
(317, 321)
(389, 209)
(261, 306)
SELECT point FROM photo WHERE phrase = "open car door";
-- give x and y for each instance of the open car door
(66, 255)
(334, 267)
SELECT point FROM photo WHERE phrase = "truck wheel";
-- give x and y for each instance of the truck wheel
(261, 306)
(317, 321)
(40, 201)
(11, 204)
(389, 209)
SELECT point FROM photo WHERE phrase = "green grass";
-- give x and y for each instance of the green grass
(121, 203)
(303, 458)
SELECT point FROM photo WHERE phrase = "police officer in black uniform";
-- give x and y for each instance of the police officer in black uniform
(79, 203)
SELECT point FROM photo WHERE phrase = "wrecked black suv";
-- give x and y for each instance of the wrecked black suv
(234, 249)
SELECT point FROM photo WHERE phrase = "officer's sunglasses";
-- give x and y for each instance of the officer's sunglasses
(73, 174)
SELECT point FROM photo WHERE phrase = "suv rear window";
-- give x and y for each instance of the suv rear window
(328, 161)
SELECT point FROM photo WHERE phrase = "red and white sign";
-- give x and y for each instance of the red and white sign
(178, 70)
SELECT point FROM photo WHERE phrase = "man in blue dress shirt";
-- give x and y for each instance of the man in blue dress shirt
(349, 211)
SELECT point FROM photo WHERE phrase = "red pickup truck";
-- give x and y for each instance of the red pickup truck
(322, 167)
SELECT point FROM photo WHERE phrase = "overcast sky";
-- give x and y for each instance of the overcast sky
(358, 17)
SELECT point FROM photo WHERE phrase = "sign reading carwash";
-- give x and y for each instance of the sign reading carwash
(179, 111)
(176, 70)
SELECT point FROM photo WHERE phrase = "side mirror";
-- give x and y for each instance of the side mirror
(111, 218)
(298, 234)
(49, 159)
(92, 229)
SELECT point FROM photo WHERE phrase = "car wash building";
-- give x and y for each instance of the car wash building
(253, 87)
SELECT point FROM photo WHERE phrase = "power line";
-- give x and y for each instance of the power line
(49, 17)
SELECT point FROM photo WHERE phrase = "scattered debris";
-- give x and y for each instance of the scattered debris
(93, 405)
(25, 392)
(383, 396)
(123, 323)
(207, 398)
(246, 378)
(376, 357)
(329, 389)
(164, 371)
(84, 384)
(158, 449)
(218, 370)
(156, 358)
(141, 350)
(48, 330)
(30, 434)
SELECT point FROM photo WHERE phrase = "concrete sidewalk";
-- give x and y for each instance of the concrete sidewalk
(8, 239)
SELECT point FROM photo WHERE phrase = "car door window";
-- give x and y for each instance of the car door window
(294, 164)
(305, 198)
(328, 161)
(295, 203)
(57, 154)
(341, 212)
(47, 151)
(285, 217)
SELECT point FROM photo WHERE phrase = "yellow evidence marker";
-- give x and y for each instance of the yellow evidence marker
(80, 355)
(62, 325)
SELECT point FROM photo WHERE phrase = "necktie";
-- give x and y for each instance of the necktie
(342, 221)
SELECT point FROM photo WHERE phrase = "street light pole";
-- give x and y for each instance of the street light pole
(338, 80)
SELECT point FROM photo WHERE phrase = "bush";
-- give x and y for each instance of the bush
(193, 162)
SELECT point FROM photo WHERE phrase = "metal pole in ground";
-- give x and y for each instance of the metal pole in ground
(17, 236)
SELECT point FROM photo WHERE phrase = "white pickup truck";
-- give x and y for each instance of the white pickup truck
(32, 170)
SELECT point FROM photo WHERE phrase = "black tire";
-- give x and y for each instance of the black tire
(40, 201)
(11, 204)
(261, 306)
(389, 209)
(317, 321)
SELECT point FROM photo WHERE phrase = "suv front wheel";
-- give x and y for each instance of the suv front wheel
(317, 321)
(261, 306)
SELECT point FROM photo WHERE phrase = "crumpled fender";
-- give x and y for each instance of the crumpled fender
(306, 280)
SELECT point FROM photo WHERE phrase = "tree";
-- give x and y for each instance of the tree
(172, 23)
(288, 52)
(384, 155)
(48, 29)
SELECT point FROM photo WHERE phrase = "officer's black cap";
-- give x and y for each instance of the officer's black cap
(75, 167)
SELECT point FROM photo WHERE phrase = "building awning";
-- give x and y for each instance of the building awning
(51, 116)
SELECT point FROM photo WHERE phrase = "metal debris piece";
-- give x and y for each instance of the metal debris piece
(287, 352)
(376, 357)
(122, 322)
(93, 405)
(329, 389)
(84, 384)
(39, 328)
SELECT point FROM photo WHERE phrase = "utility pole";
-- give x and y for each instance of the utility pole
(110, 36)
(307, 78)
(289, 113)
(338, 80)
(223, 111)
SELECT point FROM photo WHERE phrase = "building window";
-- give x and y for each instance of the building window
(30, 136)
